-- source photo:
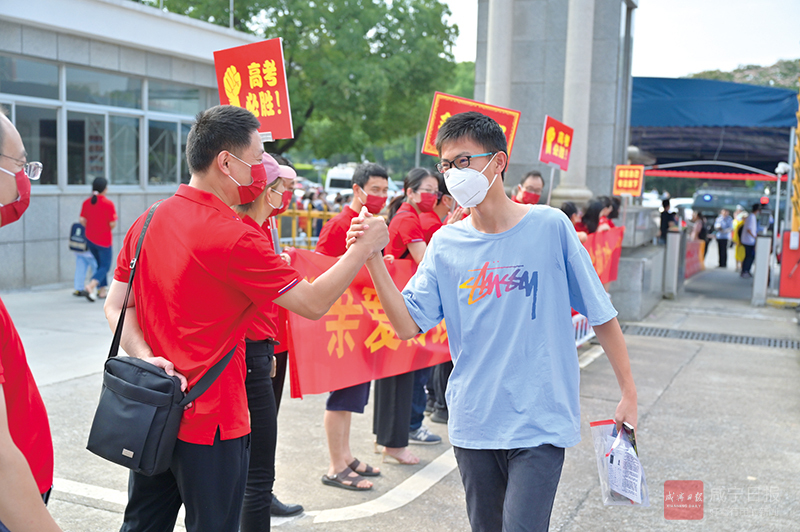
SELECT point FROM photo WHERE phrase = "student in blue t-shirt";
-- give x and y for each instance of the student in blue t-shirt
(504, 280)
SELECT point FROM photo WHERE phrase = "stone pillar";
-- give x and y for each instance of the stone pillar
(577, 98)
(499, 53)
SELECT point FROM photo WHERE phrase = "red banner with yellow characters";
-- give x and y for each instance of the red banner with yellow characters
(556, 143)
(252, 76)
(354, 342)
(445, 105)
(605, 250)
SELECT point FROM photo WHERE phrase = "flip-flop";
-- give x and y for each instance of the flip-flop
(345, 480)
(369, 471)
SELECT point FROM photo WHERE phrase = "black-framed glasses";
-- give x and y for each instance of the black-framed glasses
(33, 169)
(459, 162)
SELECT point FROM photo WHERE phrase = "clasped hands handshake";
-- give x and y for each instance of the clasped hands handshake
(369, 231)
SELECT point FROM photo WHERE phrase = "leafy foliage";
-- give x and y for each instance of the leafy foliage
(358, 70)
(783, 74)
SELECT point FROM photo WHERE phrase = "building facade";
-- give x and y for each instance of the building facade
(98, 88)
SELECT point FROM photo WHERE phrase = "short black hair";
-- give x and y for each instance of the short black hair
(665, 204)
(569, 209)
(280, 159)
(220, 128)
(364, 171)
(476, 127)
(534, 174)
(756, 207)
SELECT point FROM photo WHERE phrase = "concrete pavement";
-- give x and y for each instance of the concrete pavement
(725, 414)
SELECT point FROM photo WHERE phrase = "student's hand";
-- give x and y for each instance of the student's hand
(454, 216)
(389, 258)
(369, 231)
(286, 258)
(627, 411)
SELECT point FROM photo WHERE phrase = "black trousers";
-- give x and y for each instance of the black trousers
(749, 256)
(441, 374)
(392, 413)
(264, 435)
(722, 246)
(208, 479)
(510, 489)
(280, 377)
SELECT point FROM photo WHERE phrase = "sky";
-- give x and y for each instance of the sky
(674, 38)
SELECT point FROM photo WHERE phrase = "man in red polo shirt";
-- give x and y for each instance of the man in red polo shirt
(26, 448)
(370, 189)
(202, 274)
(530, 188)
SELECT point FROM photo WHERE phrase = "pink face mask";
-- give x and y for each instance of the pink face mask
(13, 211)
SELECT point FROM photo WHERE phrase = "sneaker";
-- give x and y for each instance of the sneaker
(91, 295)
(746, 275)
(79, 293)
(440, 415)
(422, 436)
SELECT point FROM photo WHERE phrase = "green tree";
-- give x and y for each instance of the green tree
(358, 70)
(783, 74)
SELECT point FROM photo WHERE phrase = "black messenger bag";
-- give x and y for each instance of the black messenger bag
(140, 408)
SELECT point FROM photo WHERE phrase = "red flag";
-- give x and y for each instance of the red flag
(354, 342)
(605, 249)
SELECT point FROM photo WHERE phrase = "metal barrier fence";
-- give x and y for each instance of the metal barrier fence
(300, 228)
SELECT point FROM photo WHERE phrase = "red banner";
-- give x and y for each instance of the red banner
(605, 250)
(252, 76)
(444, 106)
(695, 249)
(354, 342)
(556, 143)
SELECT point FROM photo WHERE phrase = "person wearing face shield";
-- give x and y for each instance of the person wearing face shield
(530, 188)
(201, 277)
(504, 280)
(370, 189)
(26, 446)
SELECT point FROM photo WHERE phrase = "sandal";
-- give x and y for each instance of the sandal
(369, 471)
(347, 479)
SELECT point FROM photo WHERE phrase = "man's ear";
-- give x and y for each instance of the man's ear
(223, 160)
(501, 162)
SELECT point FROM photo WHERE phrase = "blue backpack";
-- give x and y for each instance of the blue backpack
(77, 238)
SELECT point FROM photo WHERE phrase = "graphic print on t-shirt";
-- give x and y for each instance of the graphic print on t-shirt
(499, 279)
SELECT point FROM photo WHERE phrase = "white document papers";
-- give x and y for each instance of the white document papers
(624, 469)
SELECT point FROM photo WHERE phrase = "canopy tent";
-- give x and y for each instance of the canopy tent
(693, 119)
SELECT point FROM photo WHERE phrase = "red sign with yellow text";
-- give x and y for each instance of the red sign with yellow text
(252, 76)
(445, 105)
(628, 179)
(556, 143)
(354, 342)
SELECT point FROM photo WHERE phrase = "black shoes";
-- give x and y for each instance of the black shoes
(439, 415)
(279, 509)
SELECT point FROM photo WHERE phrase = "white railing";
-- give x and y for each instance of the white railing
(583, 331)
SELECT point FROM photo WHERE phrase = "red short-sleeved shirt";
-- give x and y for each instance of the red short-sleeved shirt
(27, 418)
(430, 224)
(333, 237)
(201, 275)
(264, 323)
(404, 229)
(98, 219)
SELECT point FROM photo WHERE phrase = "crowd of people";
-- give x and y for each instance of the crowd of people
(224, 285)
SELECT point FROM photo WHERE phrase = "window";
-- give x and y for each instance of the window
(88, 86)
(162, 155)
(123, 168)
(86, 147)
(29, 78)
(174, 98)
(37, 127)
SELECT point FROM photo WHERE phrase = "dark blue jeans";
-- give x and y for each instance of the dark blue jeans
(749, 256)
(103, 257)
(419, 398)
(510, 489)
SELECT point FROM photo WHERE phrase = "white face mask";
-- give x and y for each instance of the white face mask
(468, 186)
